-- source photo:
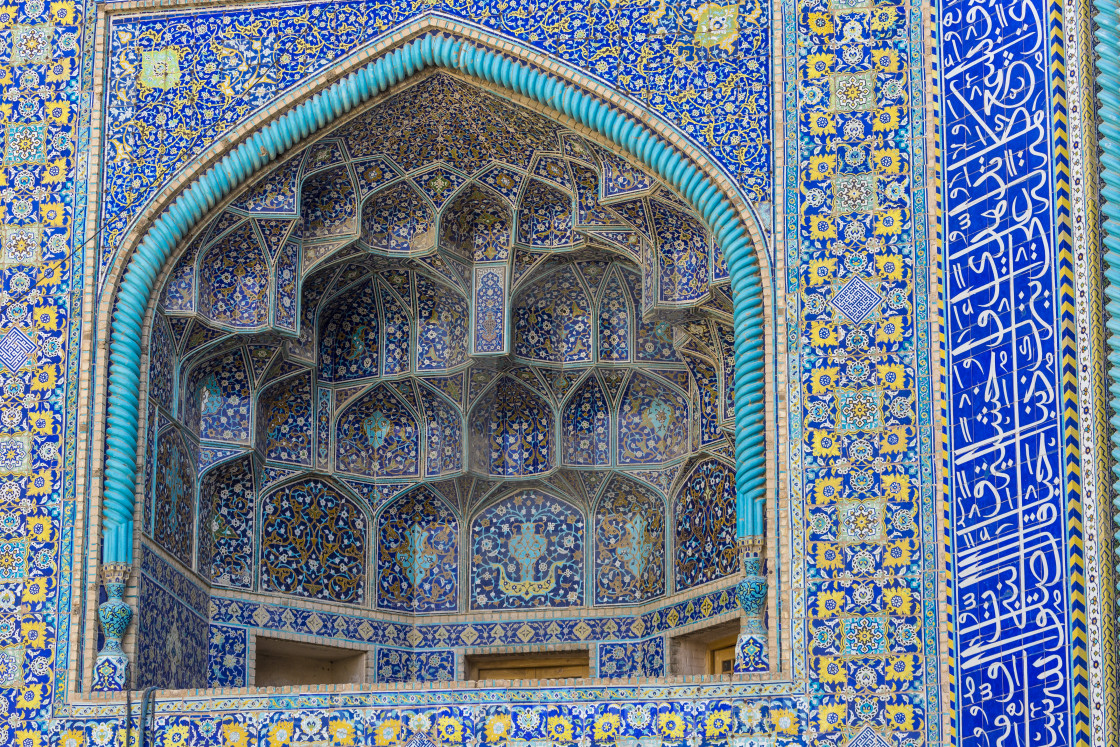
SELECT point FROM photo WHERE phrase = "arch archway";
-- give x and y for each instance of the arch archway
(155, 251)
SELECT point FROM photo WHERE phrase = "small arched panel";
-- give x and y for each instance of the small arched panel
(217, 400)
(349, 348)
(284, 421)
(227, 504)
(653, 422)
(629, 544)
(377, 436)
(443, 318)
(527, 551)
(162, 362)
(478, 225)
(174, 504)
(653, 339)
(233, 287)
(616, 314)
(682, 255)
(544, 217)
(443, 425)
(511, 432)
(586, 427)
(552, 320)
(313, 543)
(707, 385)
(314, 287)
(418, 554)
(285, 286)
(397, 220)
(329, 206)
(397, 332)
(179, 287)
(704, 516)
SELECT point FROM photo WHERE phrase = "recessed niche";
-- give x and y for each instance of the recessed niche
(281, 663)
(705, 651)
(536, 665)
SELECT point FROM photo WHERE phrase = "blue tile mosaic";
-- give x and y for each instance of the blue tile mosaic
(313, 543)
(172, 630)
(404, 665)
(228, 657)
(418, 554)
(527, 551)
(863, 492)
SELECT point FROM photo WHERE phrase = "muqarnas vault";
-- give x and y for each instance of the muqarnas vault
(452, 358)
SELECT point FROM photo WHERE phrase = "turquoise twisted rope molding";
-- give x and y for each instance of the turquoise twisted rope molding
(430, 49)
(1108, 77)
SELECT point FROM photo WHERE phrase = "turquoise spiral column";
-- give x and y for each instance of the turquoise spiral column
(751, 648)
(111, 672)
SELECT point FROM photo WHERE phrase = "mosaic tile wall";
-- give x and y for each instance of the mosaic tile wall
(1016, 227)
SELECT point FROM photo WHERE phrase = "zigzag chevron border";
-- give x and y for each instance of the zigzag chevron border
(1080, 717)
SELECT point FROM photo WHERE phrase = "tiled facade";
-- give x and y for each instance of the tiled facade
(456, 373)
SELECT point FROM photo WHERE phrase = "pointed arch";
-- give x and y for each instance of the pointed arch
(417, 553)
(329, 205)
(586, 427)
(442, 322)
(653, 419)
(174, 503)
(552, 319)
(511, 431)
(478, 224)
(216, 401)
(233, 280)
(443, 425)
(227, 518)
(319, 560)
(616, 314)
(398, 220)
(349, 344)
(629, 548)
(284, 420)
(544, 217)
(527, 552)
(378, 436)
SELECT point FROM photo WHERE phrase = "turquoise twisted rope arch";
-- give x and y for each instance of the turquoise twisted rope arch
(1108, 77)
(427, 50)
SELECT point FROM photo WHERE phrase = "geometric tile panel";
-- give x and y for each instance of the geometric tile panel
(527, 551)
(15, 349)
(417, 554)
(313, 543)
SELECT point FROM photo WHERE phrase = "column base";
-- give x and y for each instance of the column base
(751, 654)
(110, 673)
